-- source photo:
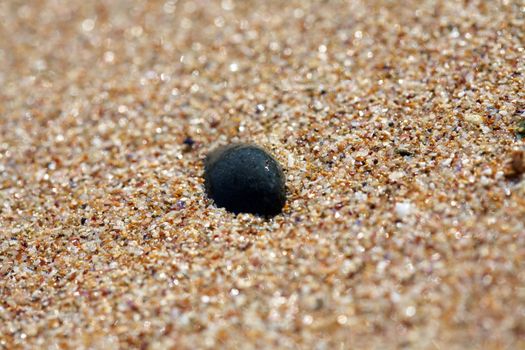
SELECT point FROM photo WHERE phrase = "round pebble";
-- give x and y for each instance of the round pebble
(244, 178)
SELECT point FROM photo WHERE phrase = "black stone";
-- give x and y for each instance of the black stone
(244, 178)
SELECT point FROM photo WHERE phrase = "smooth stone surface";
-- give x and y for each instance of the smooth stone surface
(244, 178)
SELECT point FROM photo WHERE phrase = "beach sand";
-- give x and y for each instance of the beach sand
(396, 123)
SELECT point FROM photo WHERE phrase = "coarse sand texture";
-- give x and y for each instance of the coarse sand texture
(398, 126)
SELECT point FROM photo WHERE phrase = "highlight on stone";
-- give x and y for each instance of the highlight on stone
(245, 178)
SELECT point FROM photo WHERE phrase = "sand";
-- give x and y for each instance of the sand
(395, 121)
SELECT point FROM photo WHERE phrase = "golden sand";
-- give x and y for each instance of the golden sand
(395, 122)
